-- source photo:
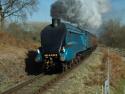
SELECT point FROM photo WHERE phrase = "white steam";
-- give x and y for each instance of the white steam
(84, 13)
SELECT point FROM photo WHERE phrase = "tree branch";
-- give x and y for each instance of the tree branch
(23, 6)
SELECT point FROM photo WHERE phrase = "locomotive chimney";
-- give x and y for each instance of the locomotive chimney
(55, 22)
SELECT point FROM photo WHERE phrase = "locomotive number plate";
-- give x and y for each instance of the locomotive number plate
(50, 55)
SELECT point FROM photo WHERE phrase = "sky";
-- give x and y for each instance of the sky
(117, 10)
(43, 12)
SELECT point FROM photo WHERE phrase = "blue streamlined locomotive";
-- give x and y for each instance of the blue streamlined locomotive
(61, 43)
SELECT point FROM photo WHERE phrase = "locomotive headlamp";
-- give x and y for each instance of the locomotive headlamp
(38, 51)
(62, 54)
(38, 57)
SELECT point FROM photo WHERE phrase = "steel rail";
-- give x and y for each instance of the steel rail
(50, 83)
(21, 85)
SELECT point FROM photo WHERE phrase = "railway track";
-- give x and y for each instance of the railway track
(44, 82)
(21, 85)
(51, 83)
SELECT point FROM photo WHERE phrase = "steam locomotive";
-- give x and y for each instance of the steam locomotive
(61, 43)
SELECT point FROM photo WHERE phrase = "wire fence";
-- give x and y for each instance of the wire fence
(106, 84)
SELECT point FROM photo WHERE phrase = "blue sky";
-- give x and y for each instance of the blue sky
(43, 14)
(117, 10)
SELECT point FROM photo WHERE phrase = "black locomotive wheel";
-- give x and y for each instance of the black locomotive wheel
(76, 61)
(69, 65)
(73, 62)
(78, 58)
(64, 67)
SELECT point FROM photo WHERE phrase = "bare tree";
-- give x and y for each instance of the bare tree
(16, 8)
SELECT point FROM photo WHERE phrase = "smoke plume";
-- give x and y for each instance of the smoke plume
(84, 13)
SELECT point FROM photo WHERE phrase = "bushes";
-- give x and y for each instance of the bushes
(114, 34)
(20, 35)
(20, 32)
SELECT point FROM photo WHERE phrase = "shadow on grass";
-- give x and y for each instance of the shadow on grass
(32, 67)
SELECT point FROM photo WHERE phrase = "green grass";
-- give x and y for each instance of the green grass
(120, 89)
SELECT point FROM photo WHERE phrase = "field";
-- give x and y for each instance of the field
(17, 50)
(90, 76)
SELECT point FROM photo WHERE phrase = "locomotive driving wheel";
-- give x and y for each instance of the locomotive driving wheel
(78, 59)
(64, 67)
(69, 65)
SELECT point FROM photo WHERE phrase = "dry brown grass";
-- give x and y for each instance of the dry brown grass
(8, 39)
(13, 53)
(100, 71)
(117, 66)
